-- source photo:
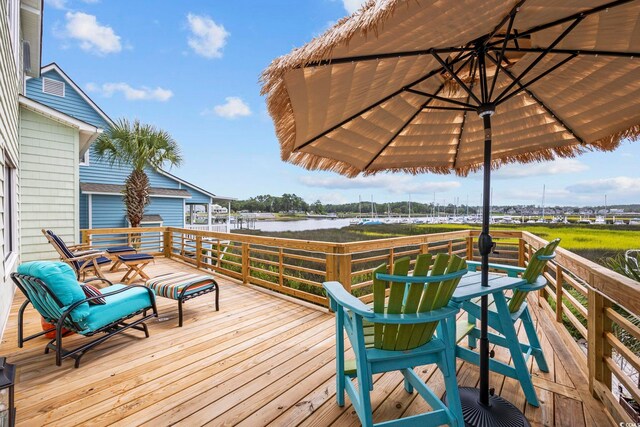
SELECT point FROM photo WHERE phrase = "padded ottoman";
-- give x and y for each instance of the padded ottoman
(182, 286)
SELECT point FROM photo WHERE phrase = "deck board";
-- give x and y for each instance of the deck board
(260, 360)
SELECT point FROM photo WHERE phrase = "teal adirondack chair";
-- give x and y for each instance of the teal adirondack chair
(397, 333)
(504, 313)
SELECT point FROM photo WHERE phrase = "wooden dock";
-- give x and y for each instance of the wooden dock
(260, 360)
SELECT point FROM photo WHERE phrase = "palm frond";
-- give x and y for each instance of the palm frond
(137, 144)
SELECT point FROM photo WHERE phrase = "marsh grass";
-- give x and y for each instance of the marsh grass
(592, 242)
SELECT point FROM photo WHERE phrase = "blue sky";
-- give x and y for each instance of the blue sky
(192, 68)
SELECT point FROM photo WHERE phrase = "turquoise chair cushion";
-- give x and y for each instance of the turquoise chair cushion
(61, 281)
(117, 306)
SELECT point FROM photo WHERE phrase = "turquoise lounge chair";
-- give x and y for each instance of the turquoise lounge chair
(504, 312)
(53, 290)
(398, 334)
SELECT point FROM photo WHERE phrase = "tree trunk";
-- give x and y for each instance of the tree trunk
(136, 196)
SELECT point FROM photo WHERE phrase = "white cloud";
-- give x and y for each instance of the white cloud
(142, 93)
(207, 38)
(555, 167)
(395, 184)
(353, 5)
(622, 185)
(332, 198)
(234, 107)
(92, 36)
(57, 4)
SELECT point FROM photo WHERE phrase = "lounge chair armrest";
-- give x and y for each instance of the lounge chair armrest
(86, 252)
(152, 297)
(79, 247)
(408, 319)
(337, 293)
(511, 270)
(91, 256)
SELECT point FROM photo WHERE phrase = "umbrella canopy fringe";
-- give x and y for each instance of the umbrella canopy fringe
(313, 162)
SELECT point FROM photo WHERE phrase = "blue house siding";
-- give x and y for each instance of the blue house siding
(101, 172)
(196, 196)
(108, 210)
(71, 103)
(170, 209)
(84, 211)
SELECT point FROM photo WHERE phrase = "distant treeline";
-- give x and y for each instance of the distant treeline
(292, 203)
(268, 203)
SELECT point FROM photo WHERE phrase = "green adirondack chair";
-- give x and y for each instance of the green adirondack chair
(398, 333)
(504, 314)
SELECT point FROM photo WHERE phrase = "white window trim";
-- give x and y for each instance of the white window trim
(9, 264)
(14, 32)
(85, 159)
(11, 258)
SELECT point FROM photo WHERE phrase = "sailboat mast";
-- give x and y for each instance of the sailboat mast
(544, 187)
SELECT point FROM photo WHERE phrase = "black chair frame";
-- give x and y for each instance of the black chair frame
(66, 322)
(183, 298)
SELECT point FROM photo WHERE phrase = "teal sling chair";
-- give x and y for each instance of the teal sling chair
(54, 291)
(397, 333)
(504, 312)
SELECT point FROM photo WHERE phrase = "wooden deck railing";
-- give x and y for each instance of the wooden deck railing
(582, 299)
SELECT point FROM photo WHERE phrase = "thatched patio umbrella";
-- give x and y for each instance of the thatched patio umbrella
(455, 86)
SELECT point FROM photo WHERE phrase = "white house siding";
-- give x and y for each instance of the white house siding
(9, 89)
(49, 198)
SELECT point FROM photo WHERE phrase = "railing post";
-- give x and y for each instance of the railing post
(424, 248)
(167, 243)
(198, 250)
(470, 248)
(245, 263)
(559, 291)
(450, 248)
(281, 267)
(391, 256)
(344, 270)
(521, 249)
(597, 346)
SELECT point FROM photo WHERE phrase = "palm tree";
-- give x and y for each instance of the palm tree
(137, 145)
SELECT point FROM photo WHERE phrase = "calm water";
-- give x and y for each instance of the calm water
(304, 224)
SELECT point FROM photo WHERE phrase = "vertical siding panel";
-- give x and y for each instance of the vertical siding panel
(9, 90)
(48, 153)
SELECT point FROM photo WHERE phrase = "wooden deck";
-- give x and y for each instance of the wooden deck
(260, 360)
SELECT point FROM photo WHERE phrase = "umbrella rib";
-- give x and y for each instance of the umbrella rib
(440, 98)
(574, 51)
(542, 104)
(464, 119)
(455, 76)
(539, 58)
(530, 82)
(422, 107)
(403, 127)
(512, 17)
(403, 54)
(561, 21)
(382, 101)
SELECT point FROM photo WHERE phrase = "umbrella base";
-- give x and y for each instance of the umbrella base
(500, 413)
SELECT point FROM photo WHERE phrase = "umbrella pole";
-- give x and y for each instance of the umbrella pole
(480, 407)
(485, 246)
